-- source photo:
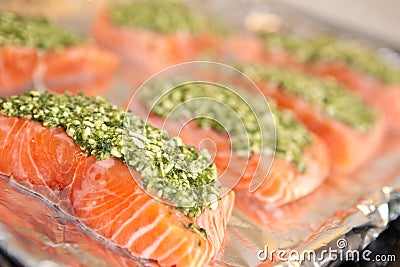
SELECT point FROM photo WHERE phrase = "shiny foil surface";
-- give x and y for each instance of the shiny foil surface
(354, 209)
(351, 209)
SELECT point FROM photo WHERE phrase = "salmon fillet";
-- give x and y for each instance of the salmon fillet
(348, 148)
(34, 50)
(85, 68)
(17, 68)
(299, 56)
(249, 49)
(283, 183)
(104, 197)
(301, 161)
(144, 52)
(383, 96)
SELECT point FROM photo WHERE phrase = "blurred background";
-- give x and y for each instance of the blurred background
(378, 19)
(375, 20)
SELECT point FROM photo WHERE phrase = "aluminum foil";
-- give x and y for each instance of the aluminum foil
(352, 210)
(33, 232)
(346, 213)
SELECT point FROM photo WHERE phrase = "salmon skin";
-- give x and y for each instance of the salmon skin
(104, 197)
(278, 184)
(37, 51)
(330, 115)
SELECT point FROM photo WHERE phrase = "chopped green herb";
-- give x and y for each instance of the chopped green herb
(163, 16)
(292, 138)
(198, 230)
(357, 55)
(34, 32)
(172, 170)
(328, 96)
(245, 118)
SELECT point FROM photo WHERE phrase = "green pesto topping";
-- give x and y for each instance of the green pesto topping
(292, 138)
(327, 95)
(34, 32)
(245, 118)
(355, 54)
(172, 170)
(163, 16)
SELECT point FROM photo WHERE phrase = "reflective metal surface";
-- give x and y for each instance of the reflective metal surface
(354, 208)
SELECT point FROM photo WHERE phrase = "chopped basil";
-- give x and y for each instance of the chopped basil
(34, 32)
(163, 16)
(328, 96)
(359, 56)
(244, 117)
(172, 170)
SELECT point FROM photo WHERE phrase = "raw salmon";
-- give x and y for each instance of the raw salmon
(240, 48)
(144, 52)
(17, 68)
(351, 63)
(349, 147)
(284, 182)
(149, 48)
(85, 68)
(103, 196)
(37, 51)
(383, 96)
(250, 49)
